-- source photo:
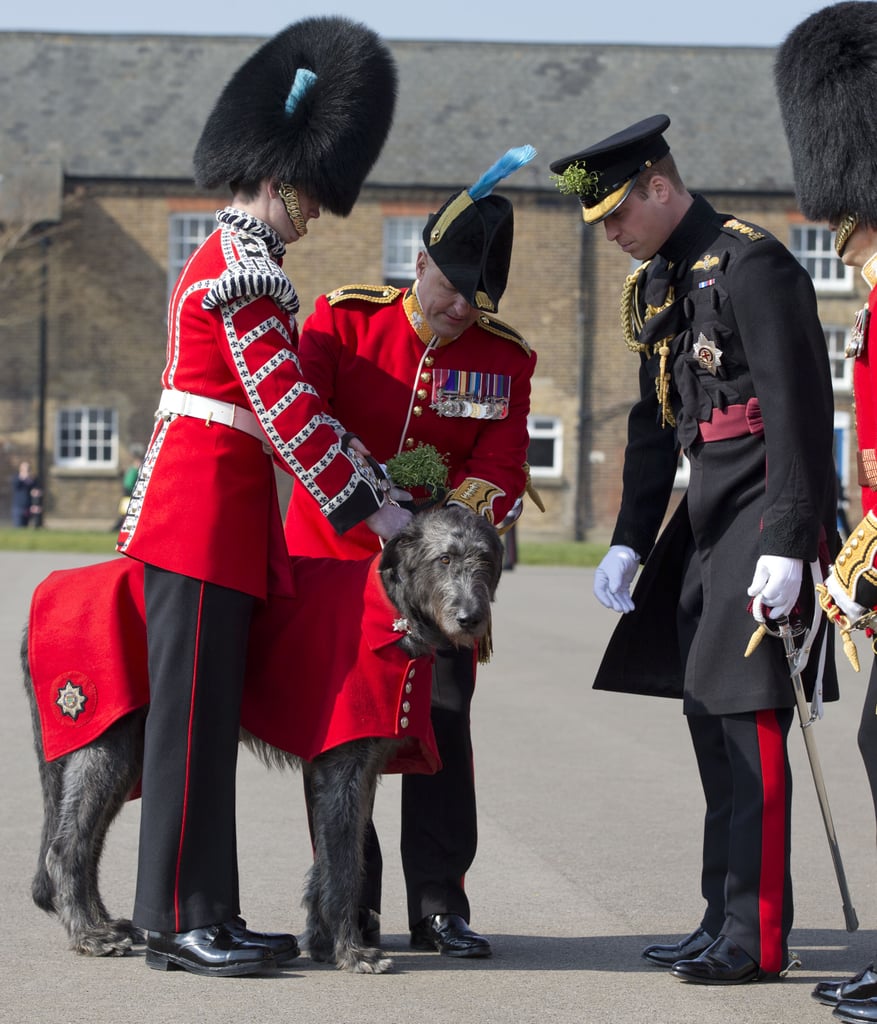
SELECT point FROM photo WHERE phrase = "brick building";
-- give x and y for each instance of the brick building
(98, 210)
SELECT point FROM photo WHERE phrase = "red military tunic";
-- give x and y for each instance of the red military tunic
(865, 390)
(372, 357)
(205, 504)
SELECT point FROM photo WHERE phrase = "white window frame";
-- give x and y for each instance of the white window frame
(87, 437)
(813, 247)
(836, 339)
(547, 428)
(185, 232)
(403, 239)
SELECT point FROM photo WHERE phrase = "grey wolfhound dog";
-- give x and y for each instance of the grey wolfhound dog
(441, 573)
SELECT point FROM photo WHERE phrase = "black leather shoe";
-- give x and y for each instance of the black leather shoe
(723, 963)
(854, 1010)
(370, 926)
(862, 986)
(283, 946)
(212, 951)
(685, 949)
(449, 934)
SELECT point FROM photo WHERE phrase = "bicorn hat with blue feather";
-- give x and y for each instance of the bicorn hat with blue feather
(470, 237)
(310, 109)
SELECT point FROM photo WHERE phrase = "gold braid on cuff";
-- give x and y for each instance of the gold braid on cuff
(289, 195)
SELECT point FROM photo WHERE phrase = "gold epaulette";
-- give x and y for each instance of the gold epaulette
(502, 329)
(383, 294)
(740, 227)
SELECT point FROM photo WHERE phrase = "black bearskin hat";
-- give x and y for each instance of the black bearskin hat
(826, 81)
(311, 108)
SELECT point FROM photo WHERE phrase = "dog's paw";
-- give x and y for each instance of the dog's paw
(364, 960)
(115, 938)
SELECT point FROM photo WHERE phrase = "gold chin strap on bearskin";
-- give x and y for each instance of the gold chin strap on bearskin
(846, 227)
(289, 195)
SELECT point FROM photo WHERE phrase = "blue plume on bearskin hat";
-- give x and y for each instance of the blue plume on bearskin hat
(826, 80)
(311, 108)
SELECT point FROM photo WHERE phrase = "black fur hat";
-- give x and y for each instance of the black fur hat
(311, 108)
(826, 81)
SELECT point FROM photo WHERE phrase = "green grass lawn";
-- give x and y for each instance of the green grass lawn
(569, 553)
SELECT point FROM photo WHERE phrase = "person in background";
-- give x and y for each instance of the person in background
(431, 364)
(26, 497)
(826, 80)
(295, 131)
(734, 371)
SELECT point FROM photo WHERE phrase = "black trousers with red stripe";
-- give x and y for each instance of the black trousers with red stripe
(187, 875)
(746, 877)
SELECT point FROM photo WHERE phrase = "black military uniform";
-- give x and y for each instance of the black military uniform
(734, 370)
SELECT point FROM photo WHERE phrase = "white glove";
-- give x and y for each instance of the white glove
(397, 494)
(614, 576)
(388, 520)
(842, 599)
(776, 583)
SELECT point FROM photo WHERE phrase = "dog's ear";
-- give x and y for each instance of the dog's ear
(389, 562)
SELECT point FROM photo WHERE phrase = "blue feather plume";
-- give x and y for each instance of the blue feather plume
(503, 167)
(304, 79)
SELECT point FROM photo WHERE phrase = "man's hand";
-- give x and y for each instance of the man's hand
(614, 576)
(842, 599)
(776, 584)
(388, 520)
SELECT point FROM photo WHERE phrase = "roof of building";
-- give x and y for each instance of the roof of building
(132, 106)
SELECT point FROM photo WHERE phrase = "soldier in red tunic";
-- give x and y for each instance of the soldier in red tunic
(296, 129)
(431, 365)
(826, 77)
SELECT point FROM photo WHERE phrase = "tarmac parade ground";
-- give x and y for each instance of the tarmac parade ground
(590, 818)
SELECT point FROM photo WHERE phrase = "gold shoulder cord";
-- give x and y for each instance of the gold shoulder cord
(632, 324)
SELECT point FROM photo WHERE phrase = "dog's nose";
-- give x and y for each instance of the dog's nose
(468, 621)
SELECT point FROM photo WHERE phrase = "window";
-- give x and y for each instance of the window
(186, 231)
(813, 246)
(403, 239)
(545, 454)
(87, 437)
(837, 339)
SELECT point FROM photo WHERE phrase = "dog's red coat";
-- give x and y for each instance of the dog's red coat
(323, 667)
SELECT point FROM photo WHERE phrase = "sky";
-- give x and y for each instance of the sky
(667, 22)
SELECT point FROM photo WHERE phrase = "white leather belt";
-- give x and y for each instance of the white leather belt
(184, 403)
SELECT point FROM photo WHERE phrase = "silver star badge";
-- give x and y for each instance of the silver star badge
(707, 353)
(400, 625)
(71, 700)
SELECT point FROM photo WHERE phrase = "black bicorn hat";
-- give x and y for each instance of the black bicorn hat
(311, 108)
(603, 175)
(470, 237)
(825, 73)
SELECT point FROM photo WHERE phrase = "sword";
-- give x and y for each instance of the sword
(807, 719)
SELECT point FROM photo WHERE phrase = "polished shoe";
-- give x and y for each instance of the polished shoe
(212, 951)
(283, 946)
(370, 926)
(863, 986)
(686, 949)
(723, 963)
(449, 934)
(854, 1010)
